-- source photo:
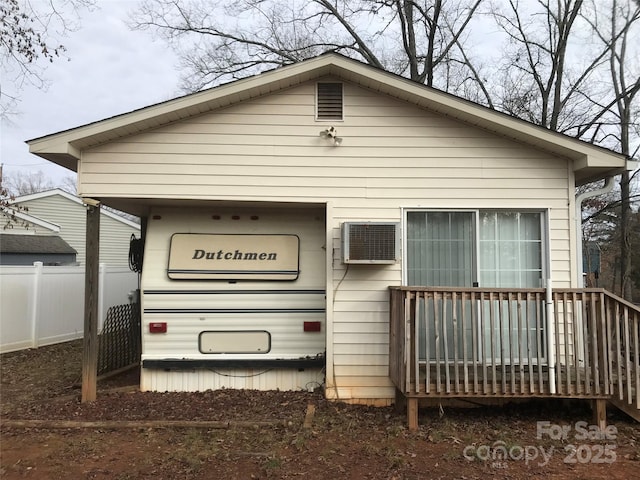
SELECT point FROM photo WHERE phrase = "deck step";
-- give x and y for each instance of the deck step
(629, 409)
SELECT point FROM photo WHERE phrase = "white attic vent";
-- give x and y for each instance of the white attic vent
(370, 242)
(329, 101)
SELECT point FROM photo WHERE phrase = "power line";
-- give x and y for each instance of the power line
(28, 164)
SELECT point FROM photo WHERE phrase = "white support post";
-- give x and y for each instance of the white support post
(551, 337)
(35, 302)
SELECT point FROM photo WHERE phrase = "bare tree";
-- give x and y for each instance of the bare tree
(69, 184)
(30, 35)
(8, 210)
(25, 183)
(543, 69)
(224, 40)
(22, 182)
(568, 67)
(619, 33)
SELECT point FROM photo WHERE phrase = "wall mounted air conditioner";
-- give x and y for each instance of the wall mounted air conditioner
(370, 242)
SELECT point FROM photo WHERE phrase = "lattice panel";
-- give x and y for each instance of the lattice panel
(119, 343)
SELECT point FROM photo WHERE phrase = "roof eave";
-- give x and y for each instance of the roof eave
(64, 148)
(587, 173)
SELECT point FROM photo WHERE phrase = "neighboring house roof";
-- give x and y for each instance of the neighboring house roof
(68, 212)
(590, 161)
(75, 199)
(34, 244)
(24, 217)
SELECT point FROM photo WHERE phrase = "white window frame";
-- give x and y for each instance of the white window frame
(544, 230)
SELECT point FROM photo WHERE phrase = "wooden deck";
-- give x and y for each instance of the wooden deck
(510, 343)
(503, 381)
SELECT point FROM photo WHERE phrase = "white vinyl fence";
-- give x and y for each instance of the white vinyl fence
(44, 305)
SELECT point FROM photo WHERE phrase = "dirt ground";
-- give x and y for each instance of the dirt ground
(236, 434)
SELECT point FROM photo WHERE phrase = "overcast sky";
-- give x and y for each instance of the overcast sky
(111, 70)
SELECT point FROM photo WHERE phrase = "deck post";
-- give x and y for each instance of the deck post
(92, 273)
(599, 408)
(412, 413)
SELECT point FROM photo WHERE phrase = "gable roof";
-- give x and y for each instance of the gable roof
(25, 217)
(34, 244)
(76, 200)
(590, 161)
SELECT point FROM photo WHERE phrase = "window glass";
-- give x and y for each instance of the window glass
(510, 249)
(440, 248)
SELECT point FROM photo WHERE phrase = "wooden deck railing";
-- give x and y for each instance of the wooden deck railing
(579, 343)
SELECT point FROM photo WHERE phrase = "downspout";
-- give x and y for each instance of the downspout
(608, 187)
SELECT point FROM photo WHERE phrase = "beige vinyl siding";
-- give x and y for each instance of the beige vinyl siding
(246, 147)
(68, 215)
(19, 228)
(71, 217)
(114, 241)
(393, 155)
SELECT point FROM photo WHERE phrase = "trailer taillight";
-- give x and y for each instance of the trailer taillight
(312, 326)
(158, 327)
